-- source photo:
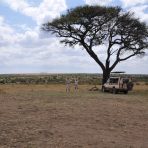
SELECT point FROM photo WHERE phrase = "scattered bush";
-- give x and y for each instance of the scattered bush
(137, 83)
(92, 79)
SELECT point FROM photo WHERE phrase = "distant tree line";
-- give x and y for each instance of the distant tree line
(50, 79)
(90, 79)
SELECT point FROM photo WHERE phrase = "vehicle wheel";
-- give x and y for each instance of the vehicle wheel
(114, 90)
(103, 89)
(126, 92)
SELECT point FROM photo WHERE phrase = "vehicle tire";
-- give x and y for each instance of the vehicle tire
(114, 91)
(126, 92)
(103, 89)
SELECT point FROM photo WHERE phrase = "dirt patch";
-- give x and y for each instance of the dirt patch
(46, 116)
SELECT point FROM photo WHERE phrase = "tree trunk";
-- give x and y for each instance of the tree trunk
(106, 75)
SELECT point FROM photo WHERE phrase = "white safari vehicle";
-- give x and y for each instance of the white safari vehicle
(118, 84)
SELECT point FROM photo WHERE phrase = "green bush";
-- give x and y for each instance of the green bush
(137, 83)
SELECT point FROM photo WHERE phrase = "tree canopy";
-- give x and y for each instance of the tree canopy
(123, 34)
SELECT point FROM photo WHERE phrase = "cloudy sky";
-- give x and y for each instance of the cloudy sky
(25, 49)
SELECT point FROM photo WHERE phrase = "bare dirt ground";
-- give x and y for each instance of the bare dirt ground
(44, 116)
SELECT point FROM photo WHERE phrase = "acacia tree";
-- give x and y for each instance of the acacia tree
(91, 26)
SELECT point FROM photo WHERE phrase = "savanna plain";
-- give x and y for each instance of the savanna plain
(45, 116)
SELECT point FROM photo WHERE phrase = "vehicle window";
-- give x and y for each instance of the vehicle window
(113, 80)
(125, 80)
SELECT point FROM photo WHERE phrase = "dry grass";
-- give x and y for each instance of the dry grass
(40, 116)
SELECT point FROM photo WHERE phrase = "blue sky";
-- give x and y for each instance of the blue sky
(25, 49)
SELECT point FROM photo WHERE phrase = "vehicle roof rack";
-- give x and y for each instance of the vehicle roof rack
(118, 72)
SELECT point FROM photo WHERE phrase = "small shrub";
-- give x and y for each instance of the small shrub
(137, 83)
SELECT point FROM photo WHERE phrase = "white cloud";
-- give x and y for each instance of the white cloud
(31, 50)
(1, 20)
(139, 7)
(47, 10)
(129, 3)
(6, 32)
(97, 2)
(139, 12)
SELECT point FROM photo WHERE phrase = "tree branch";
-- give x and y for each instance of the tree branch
(92, 54)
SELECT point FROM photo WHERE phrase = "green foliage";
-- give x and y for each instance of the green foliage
(94, 25)
(93, 79)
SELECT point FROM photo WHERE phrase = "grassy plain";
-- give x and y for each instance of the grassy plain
(45, 116)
